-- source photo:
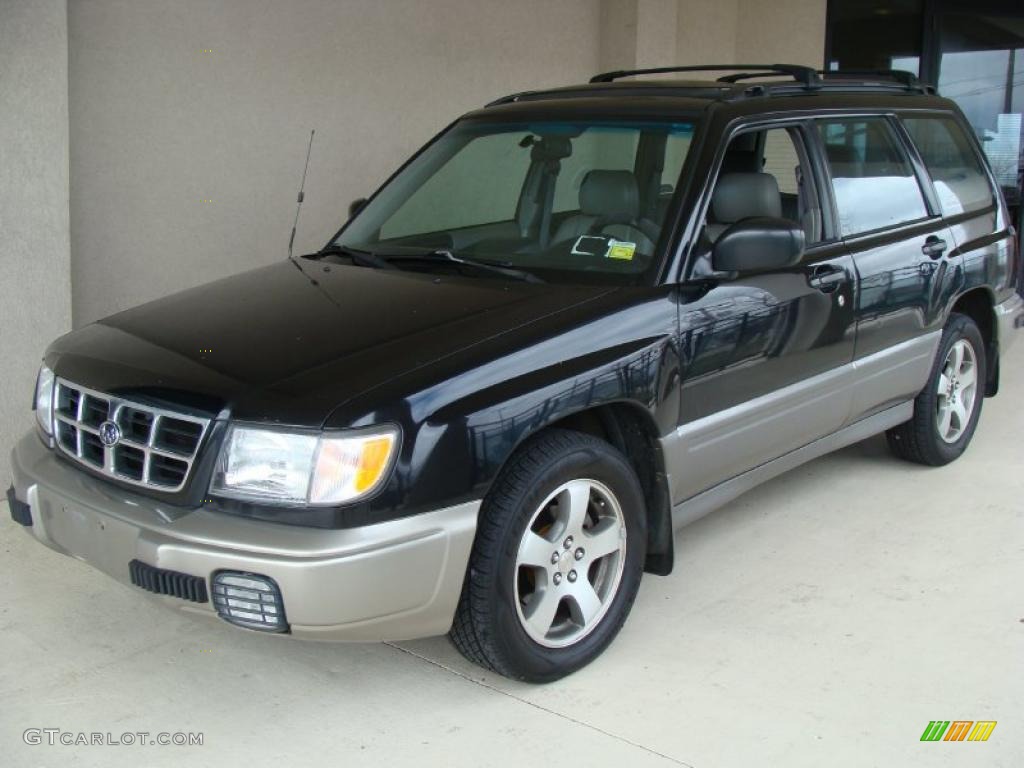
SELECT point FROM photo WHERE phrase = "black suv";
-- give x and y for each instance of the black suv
(575, 321)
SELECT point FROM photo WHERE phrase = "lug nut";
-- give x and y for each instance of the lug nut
(558, 579)
(568, 542)
(572, 575)
(554, 558)
(579, 553)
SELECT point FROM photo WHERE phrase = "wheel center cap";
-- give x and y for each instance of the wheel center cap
(565, 563)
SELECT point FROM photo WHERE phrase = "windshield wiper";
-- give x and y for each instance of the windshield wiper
(442, 256)
(360, 258)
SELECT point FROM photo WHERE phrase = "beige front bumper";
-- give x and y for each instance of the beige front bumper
(390, 581)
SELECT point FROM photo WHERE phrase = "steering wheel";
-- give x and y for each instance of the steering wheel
(644, 226)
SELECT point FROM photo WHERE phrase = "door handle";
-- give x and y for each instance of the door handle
(934, 247)
(826, 279)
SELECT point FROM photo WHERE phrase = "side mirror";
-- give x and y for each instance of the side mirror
(758, 245)
(356, 206)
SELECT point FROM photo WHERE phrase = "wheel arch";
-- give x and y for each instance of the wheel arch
(630, 428)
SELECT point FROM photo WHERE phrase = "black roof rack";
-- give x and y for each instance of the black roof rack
(806, 75)
(731, 87)
(512, 97)
(903, 77)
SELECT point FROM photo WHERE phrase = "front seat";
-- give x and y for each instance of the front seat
(739, 196)
(610, 205)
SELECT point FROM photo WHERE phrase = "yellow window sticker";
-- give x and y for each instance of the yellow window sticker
(620, 249)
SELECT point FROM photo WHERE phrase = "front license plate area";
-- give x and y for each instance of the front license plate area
(100, 540)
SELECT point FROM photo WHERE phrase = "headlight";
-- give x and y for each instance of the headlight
(259, 464)
(44, 400)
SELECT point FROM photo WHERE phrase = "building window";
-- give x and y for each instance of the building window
(875, 34)
(972, 50)
(981, 67)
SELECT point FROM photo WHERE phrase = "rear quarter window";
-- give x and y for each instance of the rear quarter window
(957, 173)
(874, 183)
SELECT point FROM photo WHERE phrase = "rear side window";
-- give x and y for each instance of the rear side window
(873, 180)
(959, 178)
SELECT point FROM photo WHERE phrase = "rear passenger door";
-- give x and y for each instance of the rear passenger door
(968, 200)
(903, 251)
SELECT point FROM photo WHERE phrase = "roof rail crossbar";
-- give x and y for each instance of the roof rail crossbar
(909, 79)
(739, 76)
(906, 79)
(806, 75)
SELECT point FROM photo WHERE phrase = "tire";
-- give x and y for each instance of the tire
(513, 584)
(921, 439)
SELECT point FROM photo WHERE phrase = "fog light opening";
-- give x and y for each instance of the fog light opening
(249, 600)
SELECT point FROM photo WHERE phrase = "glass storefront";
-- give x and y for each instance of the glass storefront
(875, 34)
(972, 51)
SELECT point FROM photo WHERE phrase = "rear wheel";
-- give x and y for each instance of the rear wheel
(946, 412)
(557, 559)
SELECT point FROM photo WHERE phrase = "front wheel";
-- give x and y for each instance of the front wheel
(557, 559)
(946, 412)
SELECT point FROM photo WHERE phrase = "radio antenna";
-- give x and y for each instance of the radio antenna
(302, 187)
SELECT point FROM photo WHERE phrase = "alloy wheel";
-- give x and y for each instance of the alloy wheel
(570, 562)
(957, 391)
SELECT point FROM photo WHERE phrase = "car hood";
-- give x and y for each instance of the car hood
(290, 342)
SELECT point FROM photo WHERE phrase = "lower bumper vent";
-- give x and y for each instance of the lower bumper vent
(163, 582)
(21, 512)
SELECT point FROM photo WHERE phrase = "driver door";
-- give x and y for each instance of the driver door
(766, 355)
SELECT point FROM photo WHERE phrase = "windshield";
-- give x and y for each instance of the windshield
(566, 201)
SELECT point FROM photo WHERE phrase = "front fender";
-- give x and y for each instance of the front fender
(464, 417)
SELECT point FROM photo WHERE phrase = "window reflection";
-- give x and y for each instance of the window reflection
(873, 181)
(960, 181)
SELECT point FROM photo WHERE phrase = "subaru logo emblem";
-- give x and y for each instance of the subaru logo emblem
(110, 433)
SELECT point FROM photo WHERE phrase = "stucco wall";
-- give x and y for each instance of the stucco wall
(751, 31)
(706, 32)
(653, 33)
(159, 125)
(790, 31)
(35, 290)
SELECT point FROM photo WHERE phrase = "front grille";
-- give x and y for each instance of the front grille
(151, 447)
(164, 582)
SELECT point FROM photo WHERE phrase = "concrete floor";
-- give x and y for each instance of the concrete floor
(821, 620)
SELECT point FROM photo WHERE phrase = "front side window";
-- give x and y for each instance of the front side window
(874, 183)
(764, 174)
(560, 200)
(960, 181)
